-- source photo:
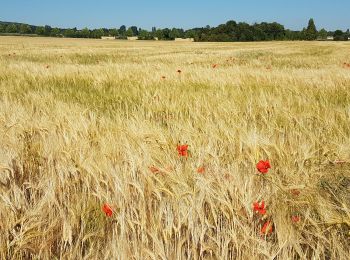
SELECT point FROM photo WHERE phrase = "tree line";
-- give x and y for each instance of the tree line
(228, 32)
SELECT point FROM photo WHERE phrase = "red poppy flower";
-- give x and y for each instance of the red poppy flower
(183, 150)
(295, 192)
(154, 169)
(214, 66)
(295, 219)
(179, 71)
(107, 209)
(201, 170)
(266, 228)
(263, 166)
(260, 208)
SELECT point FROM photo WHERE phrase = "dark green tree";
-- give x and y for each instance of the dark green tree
(11, 28)
(176, 33)
(69, 33)
(311, 32)
(322, 34)
(113, 32)
(129, 32)
(122, 30)
(40, 30)
(159, 34)
(47, 30)
(190, 34)
(85, 33)
(97, 33)
(145, 35)
(25, 29)
(347, 34)
(166, 34)
(56, 32)
(135, 31)
(340, 36)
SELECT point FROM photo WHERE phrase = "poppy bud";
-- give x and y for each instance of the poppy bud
(266, 228)
(107, 210)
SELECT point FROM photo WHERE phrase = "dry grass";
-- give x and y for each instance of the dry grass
(81, 122)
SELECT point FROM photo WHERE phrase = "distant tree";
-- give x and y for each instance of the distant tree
(129, 32)
(190, 34)
(105, 32)
(303, 34)
(97, 33)
(135, 31)
(322, 34)
(70, 33)
(56, 32)
(277, 31)
(311, 32)
(2, 28)
(296, 35)
(122, 30)
(85, 33)
(347, 33)
(340, 36)
(244, 32)
(11, 28)
(159, 34)
(25, 29)
(47, 30)
(176, 33)
(166, 34)
(259, 34)
(40, 30)
(145, 35)
(231, 27)
(289, 35)
(113, 32)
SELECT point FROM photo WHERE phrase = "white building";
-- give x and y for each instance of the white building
(108, 38)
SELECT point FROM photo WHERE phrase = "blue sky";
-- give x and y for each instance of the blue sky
(294, 14)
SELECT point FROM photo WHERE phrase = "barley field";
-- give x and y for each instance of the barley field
(89, 124)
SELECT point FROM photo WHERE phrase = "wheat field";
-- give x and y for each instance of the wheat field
(89, 122)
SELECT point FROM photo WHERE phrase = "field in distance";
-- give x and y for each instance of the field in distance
(85, 123)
